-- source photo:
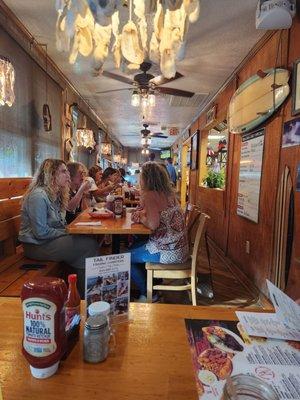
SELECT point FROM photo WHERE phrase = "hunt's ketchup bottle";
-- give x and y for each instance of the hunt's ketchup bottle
(44, 340)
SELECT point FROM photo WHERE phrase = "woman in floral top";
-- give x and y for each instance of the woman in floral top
(161, 213)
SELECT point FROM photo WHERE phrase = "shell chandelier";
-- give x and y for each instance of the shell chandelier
(7, 82)
(155, 30)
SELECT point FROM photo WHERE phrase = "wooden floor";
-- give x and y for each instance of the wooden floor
(230, 286)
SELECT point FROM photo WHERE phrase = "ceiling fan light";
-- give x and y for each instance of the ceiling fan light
(135, 99)
(145, 102)
(151, 100)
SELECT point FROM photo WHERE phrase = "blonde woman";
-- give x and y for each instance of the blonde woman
(42, 230)
(160, 212)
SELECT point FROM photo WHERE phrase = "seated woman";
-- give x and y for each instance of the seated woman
(96, 173)
(163, 215)
(42, 230)
(80, 187)
(110, 180)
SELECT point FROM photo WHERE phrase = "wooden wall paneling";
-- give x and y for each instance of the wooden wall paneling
(13, 187)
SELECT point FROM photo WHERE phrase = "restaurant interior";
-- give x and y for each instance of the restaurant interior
(213, 86)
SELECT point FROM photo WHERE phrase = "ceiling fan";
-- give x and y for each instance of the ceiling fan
(145, 81)
(146, 132)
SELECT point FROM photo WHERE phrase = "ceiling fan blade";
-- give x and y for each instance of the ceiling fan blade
(113, 90)
(117, 77)
(175, 92)
(161, 80)
(158, 135)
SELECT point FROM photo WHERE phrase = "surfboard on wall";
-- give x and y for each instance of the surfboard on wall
(257, 99)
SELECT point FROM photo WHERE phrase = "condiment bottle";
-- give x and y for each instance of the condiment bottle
(96, 339)
(73, 308)
(118, 206)
(110, 202)
(44, 341)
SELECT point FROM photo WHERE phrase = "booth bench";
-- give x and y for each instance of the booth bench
(12, 257)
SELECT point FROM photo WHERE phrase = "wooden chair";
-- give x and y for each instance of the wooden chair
(187, 270)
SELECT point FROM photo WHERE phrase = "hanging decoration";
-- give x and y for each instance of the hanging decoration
(85, 136)
(155, 30)
(7, 82)
(47, 119)
(106, 148)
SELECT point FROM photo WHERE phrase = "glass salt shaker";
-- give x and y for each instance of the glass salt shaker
(248, 387)
(96, 339)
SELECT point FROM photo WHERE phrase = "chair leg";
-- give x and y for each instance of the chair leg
(193, 291)
(149, 286)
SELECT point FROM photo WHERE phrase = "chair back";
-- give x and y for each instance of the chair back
(192, 214)
(203, 218)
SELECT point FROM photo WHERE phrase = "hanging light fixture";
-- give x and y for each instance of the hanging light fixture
(135, 99)
(146, 141)
(85, 136)
(117, 158)
(106, 148)
(7, 81)
(124, 160)
(86, 28)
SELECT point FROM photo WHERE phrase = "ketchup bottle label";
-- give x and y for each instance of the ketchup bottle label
(39, 327)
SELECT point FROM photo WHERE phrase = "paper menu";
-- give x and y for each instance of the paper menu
(283, 324)
(286, 309)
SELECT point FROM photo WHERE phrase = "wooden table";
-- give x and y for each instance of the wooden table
(152, 359)
(111, 226)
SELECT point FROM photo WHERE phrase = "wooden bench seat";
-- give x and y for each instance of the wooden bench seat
(12, 256)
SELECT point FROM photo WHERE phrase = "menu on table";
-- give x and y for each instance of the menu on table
(221, 349)
(250, 174)
(108, 279)
(283, 324)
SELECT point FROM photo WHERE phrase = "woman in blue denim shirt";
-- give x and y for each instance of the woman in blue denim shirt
(42, 230)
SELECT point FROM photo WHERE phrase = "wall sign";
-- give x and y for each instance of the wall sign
(250, 174)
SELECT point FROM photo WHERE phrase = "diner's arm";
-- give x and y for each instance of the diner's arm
(37, 210)
(76, 199)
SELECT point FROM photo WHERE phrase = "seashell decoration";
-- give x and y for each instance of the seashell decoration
(7, 82)
(155, 30)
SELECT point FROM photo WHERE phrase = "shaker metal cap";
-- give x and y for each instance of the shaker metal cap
(99, 308)
(96, 322)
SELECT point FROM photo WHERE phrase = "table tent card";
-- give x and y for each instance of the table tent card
(108, 279)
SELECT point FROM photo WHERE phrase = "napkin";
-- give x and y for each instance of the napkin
(89, 223)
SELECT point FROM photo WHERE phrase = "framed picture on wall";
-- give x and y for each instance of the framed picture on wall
(296, 88)
(194, 150)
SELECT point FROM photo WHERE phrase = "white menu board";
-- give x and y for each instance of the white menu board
(250, 173)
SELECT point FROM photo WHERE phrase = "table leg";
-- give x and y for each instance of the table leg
(116, 240)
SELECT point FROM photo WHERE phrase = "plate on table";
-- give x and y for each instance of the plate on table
(101, 213)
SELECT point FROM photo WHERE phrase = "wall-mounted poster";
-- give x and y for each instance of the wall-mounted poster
(108, 279)
(250, 174)
(194, 150)
(291, 133)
